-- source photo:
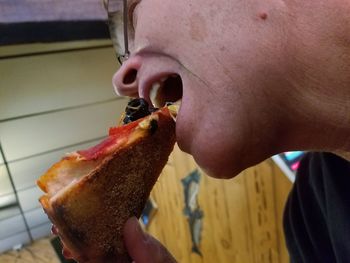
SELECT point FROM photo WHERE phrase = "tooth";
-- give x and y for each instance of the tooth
(154, 94)
(174, 108)
(178, 102)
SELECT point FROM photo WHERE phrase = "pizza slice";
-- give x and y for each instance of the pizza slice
(90, 194)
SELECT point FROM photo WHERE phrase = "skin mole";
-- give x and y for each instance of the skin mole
(263, 15)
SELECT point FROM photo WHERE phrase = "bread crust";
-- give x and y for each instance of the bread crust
(91, 214)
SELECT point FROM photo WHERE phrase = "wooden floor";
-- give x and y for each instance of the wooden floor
(242, 217)
(38, 252)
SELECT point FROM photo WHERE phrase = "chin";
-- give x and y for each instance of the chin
(218, 161)
(223, 159)
(223, 168)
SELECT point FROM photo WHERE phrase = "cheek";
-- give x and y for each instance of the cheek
(222, 129)
(217, 162)
(210, 127)
(175, 29)
(216, 151)
(158, 26)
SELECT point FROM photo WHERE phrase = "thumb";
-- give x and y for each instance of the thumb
(142, 247)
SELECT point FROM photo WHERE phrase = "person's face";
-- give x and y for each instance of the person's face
(222, 51)
(232, 60)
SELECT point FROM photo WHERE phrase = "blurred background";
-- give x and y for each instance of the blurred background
(56, 64)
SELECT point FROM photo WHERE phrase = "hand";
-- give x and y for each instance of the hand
(142, 247)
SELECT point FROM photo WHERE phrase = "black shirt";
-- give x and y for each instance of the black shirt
(317, 213)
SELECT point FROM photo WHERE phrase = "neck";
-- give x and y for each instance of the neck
(321, 122)
(320, 78)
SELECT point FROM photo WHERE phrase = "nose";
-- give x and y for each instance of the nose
(125, 80)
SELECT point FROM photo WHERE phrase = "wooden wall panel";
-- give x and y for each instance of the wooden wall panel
(38, 252)
(282, 188)
(259, 187)
(242, 216)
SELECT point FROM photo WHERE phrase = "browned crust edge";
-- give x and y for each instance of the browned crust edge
(91, 215)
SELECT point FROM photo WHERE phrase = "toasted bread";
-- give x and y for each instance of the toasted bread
(90, 197)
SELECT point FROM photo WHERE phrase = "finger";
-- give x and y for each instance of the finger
(142, 247)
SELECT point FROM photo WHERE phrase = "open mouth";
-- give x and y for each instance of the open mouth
(167, 89)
